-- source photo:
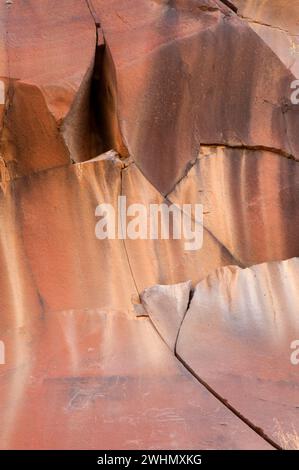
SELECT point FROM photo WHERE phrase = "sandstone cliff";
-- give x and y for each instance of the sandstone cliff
(140, 343)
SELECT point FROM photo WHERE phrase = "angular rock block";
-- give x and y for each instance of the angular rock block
(166, 261)
(250, 201)
(192, 72)
(71, 268)
(173, 302)
(277, 24)
(46, 60)
(239, 337)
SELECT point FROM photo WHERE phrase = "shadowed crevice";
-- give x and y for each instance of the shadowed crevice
(230, 5)
(91, 127)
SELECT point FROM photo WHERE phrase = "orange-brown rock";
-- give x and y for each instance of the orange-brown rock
(160, 102)
(193, 72)
(47, 58)
(96, 379)
(277, 24)
(250, 200)
(166, 261)
(237, 337)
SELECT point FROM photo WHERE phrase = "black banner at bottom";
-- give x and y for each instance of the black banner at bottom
(131, 459)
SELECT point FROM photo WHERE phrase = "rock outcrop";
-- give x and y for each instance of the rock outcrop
(160, 102)
(236, 337)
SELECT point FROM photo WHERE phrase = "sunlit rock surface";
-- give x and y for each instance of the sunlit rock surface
(236, 337)
(250, 200)
(161, 102)
(276, 22)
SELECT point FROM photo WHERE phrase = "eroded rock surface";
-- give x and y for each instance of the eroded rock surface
(250, 200)
(47, 60)
(170, 300)
(236, 337)
(189, 73)
(93, 379)
(161, 102)
(277, 24)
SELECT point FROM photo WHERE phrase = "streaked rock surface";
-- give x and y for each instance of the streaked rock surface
(191, 72)
(180, 101)
(276, 22)
(45, 73)
(166, 306)
(250, 200)
(93, 379)
(166, 261)
(236, 337)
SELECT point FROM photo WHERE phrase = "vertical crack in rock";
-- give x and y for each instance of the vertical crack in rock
(5, 173)
(105, 96)
(167, 307)
(93, 13)
(253, 312)
(50, 116)
(81, 129)
(123, 238)
(94, 116)
(230, 5)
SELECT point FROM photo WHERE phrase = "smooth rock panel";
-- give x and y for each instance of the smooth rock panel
(96, 380)
(237, 337)
(250, 201)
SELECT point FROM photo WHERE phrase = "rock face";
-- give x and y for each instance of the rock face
(249, 198)
(277, 24)
(168, 102)
(195, 73)
(44, 71)
(172, 301)
(236, 337)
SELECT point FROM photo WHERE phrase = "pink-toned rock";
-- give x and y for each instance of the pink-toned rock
(166, 307)
(46, 58)
(277, 24)
(71, 268)
(250, 201)
(166, 261)
(237, 337)
(188, 73)
(96, 380)
(195, 100)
